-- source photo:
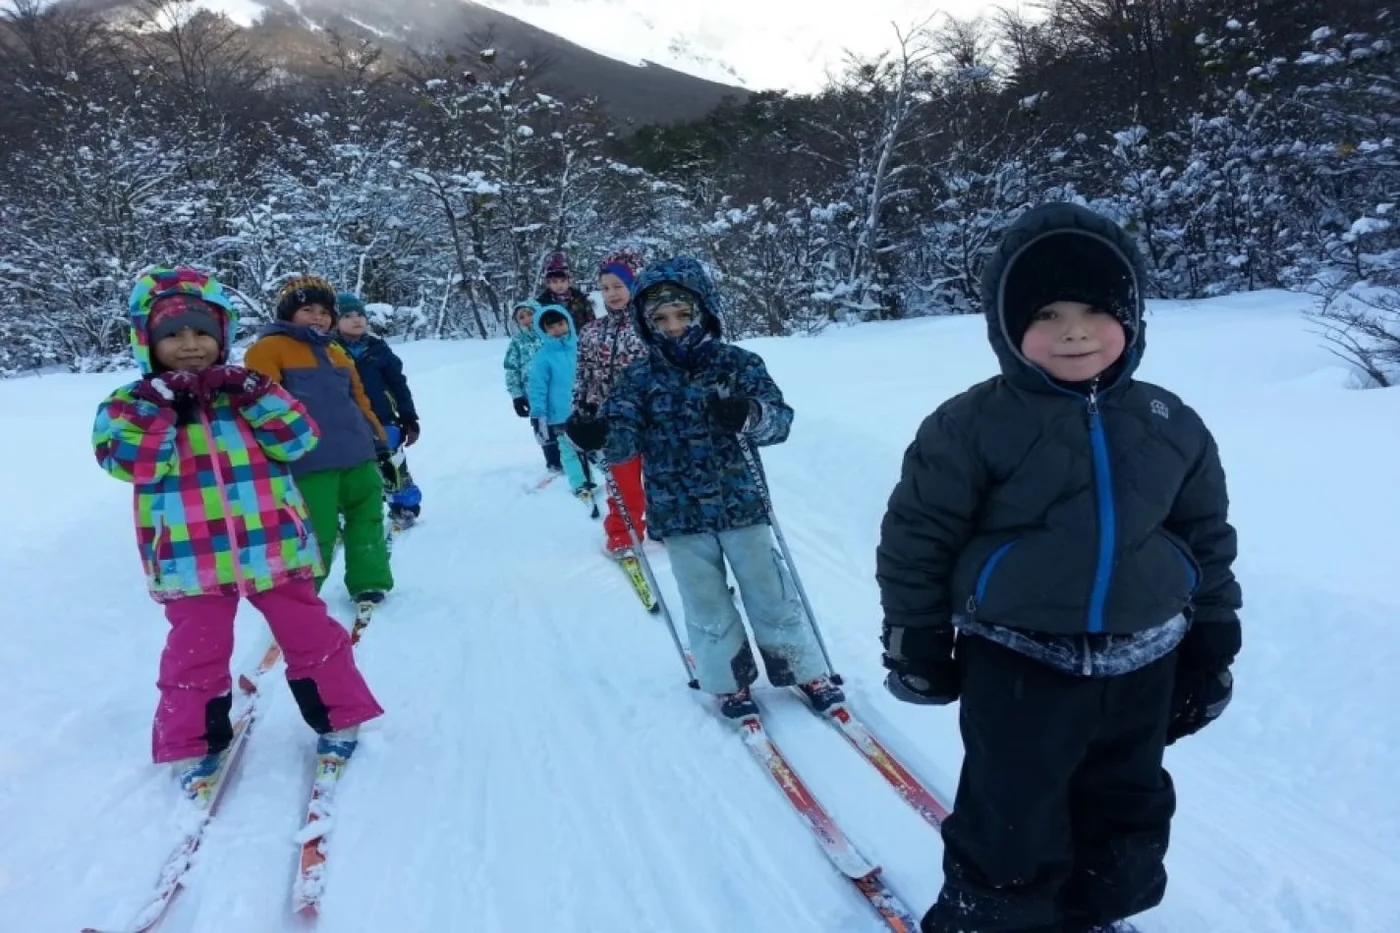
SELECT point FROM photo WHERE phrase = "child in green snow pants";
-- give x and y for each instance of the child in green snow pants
(356, 493)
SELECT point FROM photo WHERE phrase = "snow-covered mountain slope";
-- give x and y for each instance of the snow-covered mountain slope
(775, 44)
(542, 765)
(787, 44)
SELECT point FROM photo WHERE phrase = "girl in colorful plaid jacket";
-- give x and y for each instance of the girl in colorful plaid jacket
(218, 518)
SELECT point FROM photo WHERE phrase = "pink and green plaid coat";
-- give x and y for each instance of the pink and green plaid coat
(216, 508)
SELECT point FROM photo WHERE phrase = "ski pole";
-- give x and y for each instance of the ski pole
(615, 492)
(756, 467)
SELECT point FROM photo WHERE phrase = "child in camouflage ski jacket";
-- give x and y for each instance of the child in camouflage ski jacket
(690, 408)
(524, 344)
(1057, 556)
(207, 448)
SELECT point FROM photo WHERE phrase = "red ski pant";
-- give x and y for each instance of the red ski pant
(628, 477)
(196, 697)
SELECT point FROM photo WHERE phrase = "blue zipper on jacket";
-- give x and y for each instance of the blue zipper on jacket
(1108, 519)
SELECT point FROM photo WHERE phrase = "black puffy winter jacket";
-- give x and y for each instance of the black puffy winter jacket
(1057, 510)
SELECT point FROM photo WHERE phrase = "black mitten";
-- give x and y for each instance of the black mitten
(1204, 684)
(921, 665)
(522, 406)
(731, 414)
(586, 432)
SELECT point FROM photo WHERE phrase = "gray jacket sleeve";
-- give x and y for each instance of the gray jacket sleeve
(928, 521)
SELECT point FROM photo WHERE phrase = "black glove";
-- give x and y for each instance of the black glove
(1204, 684)
(410, 431)
(731, 414)
(921, 665)
(1197, 701)
(387, 470)
(587, 432)
(522, 406)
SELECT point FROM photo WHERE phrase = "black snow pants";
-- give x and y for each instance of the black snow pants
(1063, 808)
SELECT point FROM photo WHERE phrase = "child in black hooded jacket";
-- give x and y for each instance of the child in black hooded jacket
(1057, 556)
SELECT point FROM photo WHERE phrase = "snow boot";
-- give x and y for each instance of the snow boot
(339, 744)
(737, 705)
(193, 775)
(370, 596)
(822, 693)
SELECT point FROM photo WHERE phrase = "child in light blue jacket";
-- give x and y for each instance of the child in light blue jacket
(551, 389)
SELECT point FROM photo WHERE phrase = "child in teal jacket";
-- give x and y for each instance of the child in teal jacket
(551, 390)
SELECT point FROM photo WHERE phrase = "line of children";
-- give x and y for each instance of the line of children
(605, 348)
(1057, 557)
(551, 392)
(559, 289)
(343, 478)
(681, 409)
(524, 344)
(381, 373)
(207, 448)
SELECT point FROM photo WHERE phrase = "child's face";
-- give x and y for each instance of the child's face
(352, 325)
(671, 320)
(557, 328)
(188, 350)
(315, 316)
(525, 318)
(559, 284)
(1072, 341)
(616, 295)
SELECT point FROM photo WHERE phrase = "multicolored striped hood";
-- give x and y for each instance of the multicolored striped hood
(160, 281)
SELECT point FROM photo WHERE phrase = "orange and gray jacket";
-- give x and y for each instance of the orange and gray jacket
(321, 375)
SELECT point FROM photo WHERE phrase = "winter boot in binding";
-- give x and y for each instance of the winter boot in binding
(737, 705)
(194, 774)
(339, 744)
(822, 693)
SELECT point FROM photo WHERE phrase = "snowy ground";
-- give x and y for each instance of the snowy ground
(543, 767)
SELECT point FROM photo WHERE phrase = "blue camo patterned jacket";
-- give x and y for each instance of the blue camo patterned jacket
(695, 476)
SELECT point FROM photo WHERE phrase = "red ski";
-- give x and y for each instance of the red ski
(310, 882)
(914, 792)
(839, 849)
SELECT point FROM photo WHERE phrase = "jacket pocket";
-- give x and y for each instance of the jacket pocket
(290, 508)
(1188, 562)
(985, 573)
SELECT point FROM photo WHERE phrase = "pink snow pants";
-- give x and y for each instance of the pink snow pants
(196, 697)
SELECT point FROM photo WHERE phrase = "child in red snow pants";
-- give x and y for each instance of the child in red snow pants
(192, 718)
(628, 477)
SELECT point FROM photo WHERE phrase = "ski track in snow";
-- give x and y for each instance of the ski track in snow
(542, 766)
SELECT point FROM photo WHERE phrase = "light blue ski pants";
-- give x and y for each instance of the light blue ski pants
(723, 659)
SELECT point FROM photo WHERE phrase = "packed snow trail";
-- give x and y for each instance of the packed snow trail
(541, 764)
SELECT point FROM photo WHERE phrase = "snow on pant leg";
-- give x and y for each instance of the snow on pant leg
(780, 628)
(628, 477)
(321, 670)
(723, 661)
(1122, 801)
(568, 456)
(192, 716)
(321, 492)
(366, 553)
(551, 452)
(1008, 844)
